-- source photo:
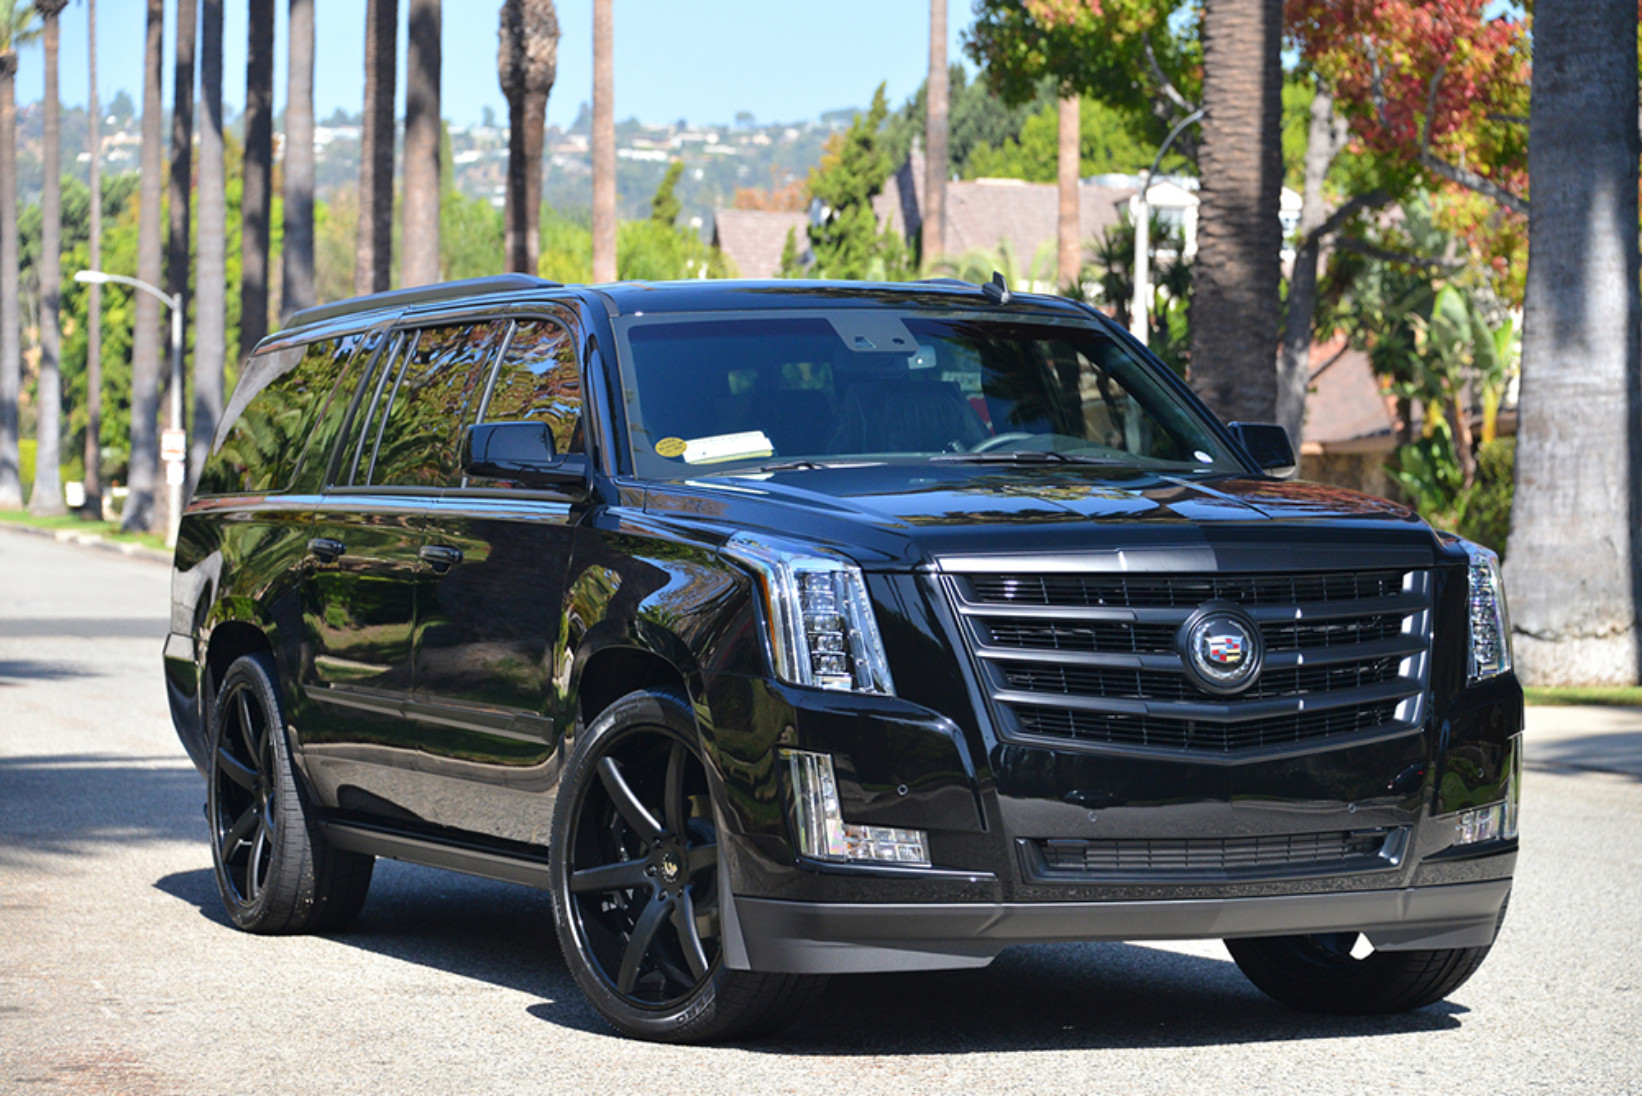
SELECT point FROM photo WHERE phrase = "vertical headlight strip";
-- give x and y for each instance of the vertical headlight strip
(819, 619)
(1490, 623)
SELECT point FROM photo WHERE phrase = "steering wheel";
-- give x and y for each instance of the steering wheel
(999, 440)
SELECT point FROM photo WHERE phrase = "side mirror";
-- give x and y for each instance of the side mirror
(521, 452)
(1268, 445)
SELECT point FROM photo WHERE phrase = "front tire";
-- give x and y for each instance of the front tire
(275, 870)
(634, 870)
(1318, 973)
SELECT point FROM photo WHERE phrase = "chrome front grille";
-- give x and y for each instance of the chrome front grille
(1092, 660)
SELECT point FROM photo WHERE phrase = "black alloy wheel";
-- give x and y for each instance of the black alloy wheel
(243, 801)
(643, 870)
(275, 870)
(634, 863)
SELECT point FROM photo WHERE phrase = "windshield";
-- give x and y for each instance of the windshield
(718, 392)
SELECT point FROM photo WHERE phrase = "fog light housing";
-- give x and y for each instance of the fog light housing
(1496, 821)
(819, 821)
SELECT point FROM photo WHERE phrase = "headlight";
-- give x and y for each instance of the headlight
(817, 614)
(1490, 623)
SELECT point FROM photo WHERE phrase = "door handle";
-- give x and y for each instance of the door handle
(440, 557)
(325, 549)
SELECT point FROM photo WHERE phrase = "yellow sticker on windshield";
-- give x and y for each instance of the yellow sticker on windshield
(670, 447)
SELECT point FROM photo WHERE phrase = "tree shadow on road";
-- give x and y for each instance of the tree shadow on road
(16, 670)
(75, 804)
(1616, 752)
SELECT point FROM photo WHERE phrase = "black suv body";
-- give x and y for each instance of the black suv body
(799, 628)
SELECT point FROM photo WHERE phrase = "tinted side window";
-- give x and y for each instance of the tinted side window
(538, 382)
(272, 417)
(430, 398)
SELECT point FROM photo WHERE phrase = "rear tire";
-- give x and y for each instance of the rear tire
(1319, 974)
(634, 870)
(275, 870)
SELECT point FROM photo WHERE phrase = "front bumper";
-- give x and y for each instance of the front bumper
(843, 938)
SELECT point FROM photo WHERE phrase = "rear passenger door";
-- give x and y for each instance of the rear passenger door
(490, 627)
(365, 559)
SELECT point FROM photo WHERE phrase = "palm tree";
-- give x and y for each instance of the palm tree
(1572, 563)
(374, 256)
(419, 250)
(17, 29)
(933, 241)
(1235, 293)
(47, 497)
(256, 199)
(182, 156)
(146, 338)
(604, 147)
(297, 287)
(1069, 252)
(93, 508)
(527, 61)
(210, 307)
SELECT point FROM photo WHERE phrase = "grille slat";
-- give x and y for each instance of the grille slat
(1139, 856)
(1054, 644)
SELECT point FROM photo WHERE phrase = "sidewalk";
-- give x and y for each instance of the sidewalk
(1585, 737)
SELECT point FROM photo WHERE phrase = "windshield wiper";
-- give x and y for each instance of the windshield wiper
(799, 465)
(1020, 456)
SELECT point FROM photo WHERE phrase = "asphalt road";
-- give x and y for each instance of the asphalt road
(120, 974)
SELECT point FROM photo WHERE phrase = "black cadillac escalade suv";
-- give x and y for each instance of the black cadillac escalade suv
(789, 629)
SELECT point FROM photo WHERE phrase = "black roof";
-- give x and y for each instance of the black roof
(627, 298)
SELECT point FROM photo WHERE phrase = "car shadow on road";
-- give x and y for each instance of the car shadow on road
(1042, 997)
(498, 933)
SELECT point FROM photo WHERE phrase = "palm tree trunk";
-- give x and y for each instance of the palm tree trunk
(11, 329)
(210, 309)
(1324, 138)
(375, 252)
(1235, 286)
(420, 244)
(47, 497)
(146, 338)
(182, 165)
(93, 508)
(604, 147)
(526, 65)
(297, 288)
(1572, 568)
(933, 241)
(257, 197)
(1069, 233)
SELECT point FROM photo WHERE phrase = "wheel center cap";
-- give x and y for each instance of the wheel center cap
(671, 869)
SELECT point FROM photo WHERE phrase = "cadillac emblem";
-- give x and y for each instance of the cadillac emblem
(1221, 648)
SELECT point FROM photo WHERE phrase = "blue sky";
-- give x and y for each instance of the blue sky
(703, 60)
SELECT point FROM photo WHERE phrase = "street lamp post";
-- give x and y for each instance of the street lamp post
(175, 446)
(1140, 308)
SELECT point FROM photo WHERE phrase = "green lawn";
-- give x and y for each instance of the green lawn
(108, 530)
(1630, 695)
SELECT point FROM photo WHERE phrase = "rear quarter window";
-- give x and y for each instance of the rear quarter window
(271, 421)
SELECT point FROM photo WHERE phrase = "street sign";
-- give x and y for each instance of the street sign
(173, 444)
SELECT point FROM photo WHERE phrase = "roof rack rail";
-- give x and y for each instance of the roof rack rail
(421, 294)
(956, 282)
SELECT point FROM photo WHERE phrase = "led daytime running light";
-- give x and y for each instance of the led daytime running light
(822, 630)
(1490, 622)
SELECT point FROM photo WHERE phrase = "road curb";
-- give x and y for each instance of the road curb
(93, 540)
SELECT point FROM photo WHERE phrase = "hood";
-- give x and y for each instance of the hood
(918, 512)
